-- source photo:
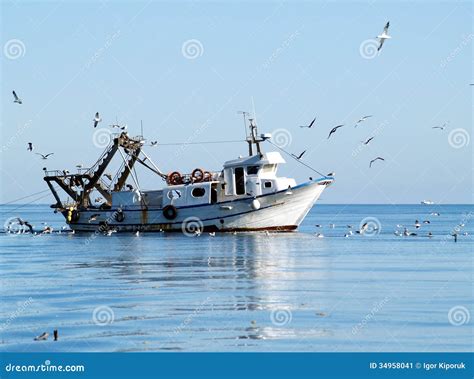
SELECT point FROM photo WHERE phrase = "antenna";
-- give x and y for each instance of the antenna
(141, 128)
(244, 114)
(254, 111)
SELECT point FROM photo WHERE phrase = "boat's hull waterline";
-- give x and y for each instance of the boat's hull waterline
(280, 211)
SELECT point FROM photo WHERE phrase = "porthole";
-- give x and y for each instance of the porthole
(198, 192)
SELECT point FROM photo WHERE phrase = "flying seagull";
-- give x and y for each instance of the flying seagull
(17, 99)
(439, 127)
(367, 142)
(334, 129)
(30, 146)
(119, 126)
(97, 119)
(383, 36)
(299, 156)
(361, 120)
(373, 160)
(153, 143)
(310, 124)
(44, 156)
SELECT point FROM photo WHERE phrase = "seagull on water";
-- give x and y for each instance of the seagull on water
(367, 142)
(310, 124)
(44, 156)
(17, 99)
(42, 337)
(30, 146)
(94, 217)
(364, 228)
(299, 156)
(383, 36)
(362, 119)
(376, 159)
(97, 119)
(333, 130)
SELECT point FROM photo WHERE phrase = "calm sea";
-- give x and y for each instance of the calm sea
(245, 292)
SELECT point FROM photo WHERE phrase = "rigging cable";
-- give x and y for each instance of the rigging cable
(25, 197)
(24, 205)
(197, 143)
(297, 160)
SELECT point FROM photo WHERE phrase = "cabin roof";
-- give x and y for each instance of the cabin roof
(273, 157)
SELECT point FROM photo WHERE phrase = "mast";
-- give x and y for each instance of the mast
(254, 138)
(249, 141)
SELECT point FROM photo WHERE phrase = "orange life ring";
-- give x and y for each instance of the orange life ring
(197, 175)
(175, 178)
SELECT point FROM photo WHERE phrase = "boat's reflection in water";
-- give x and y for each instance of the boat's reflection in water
(221, 291)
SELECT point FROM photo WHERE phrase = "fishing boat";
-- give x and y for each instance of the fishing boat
(245, 195)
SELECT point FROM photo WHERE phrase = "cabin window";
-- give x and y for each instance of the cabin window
(239, 181)
(269, 167)
(198, 192)
(252, 170)
(268, 184)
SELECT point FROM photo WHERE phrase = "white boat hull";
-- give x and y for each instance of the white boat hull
(280, 211)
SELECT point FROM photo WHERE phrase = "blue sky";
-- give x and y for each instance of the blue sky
(291, 61)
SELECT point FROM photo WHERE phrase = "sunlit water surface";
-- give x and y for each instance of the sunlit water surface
(244, 292)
